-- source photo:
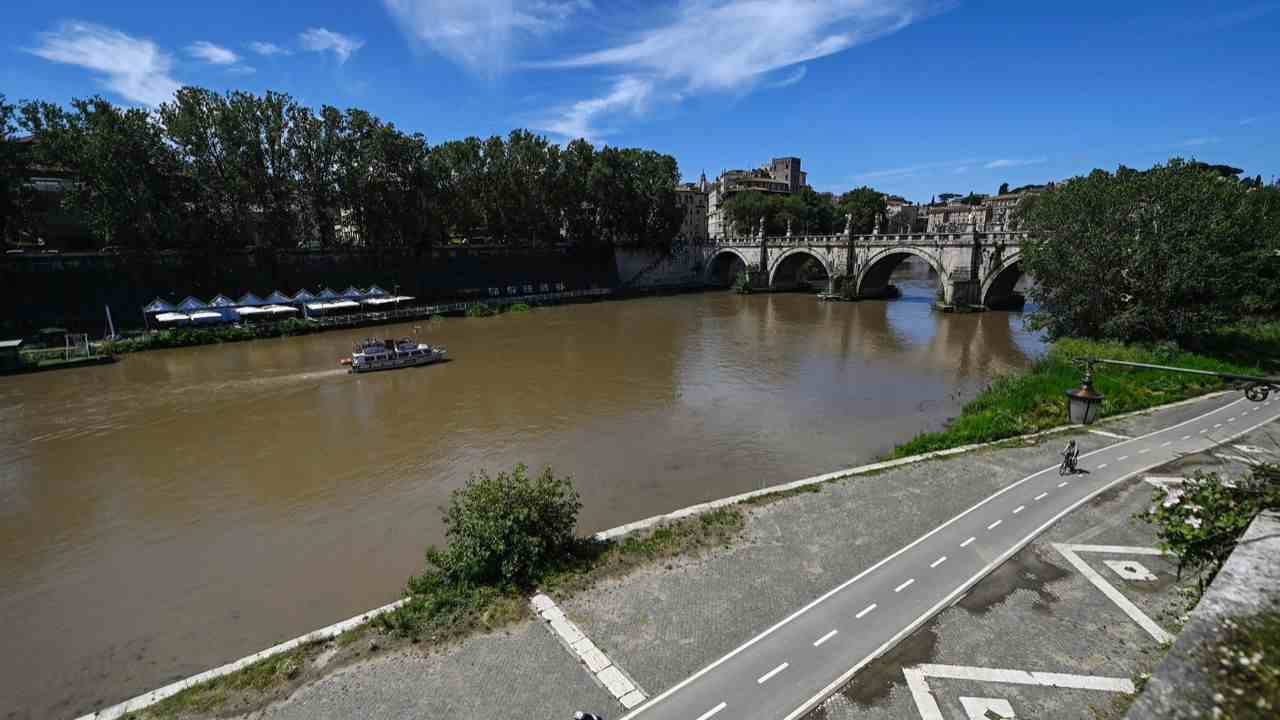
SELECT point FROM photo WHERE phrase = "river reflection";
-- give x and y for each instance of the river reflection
(182, 508)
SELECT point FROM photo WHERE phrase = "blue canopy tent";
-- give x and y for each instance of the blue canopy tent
(192, 303)
(303, 296)
(278, 298)
(352, 293)
(250, 300)
(375, 291)
(222, 301)
(327, 294)
(158, 306)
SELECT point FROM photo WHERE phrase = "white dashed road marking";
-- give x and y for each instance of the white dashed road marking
(1019, 509)
(995, 524)
(1144, 451)
(1102, 466)
(938, 562)
(1166, 444)
(708, 714)
(865, 610)
(1064, 483)
(825, 638)
(765, 677)
(1042, 496)
(966, 542)
(904, 585)
(1122, 458)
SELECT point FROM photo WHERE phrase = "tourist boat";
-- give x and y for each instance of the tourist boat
(373, 354)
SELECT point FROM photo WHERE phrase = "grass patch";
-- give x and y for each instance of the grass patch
(208, 697)
(1245, 667)
(774, 497)
(1019, 404)
(189, 336)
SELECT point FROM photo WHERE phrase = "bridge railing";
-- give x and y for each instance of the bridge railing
(1007, 237)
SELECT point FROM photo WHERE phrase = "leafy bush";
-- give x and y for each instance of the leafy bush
(518, 307)
(1200, 522)
(506, 530)
(480, 310)
(742, 284)
(1246, 674)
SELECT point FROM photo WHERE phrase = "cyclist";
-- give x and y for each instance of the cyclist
(1069, 456)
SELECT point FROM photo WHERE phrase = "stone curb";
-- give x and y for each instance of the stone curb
(150, 698)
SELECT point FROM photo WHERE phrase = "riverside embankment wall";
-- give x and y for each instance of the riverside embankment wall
(71, 290)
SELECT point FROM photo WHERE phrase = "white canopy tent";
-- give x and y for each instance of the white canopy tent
(386, 300)
(170, 318)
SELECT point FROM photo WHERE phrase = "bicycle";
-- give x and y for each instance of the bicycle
(1070, 455)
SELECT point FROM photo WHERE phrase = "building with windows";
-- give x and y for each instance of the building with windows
(781, 176)
(692, 198)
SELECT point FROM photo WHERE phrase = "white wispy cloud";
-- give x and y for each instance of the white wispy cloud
(629, 94)
(914, 170)
(1014, 162)
(481, 35)
(791, 78)
(322, 40)
(268, 49)
(135, 68)
(732, 45)
(210, 53)
(1199, 141)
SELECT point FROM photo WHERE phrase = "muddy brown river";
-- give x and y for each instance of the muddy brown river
(182, 508)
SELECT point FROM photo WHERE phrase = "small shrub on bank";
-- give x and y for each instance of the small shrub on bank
(1200, 522)
(507, 529)
(480, 310)
(518, 307)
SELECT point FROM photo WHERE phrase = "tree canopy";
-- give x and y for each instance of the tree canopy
(1168, 253)
(238, 169)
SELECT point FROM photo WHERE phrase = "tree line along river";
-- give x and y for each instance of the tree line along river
(183, 508)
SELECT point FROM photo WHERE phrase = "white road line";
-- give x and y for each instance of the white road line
(993, 525)
(1019, 509)
(1215, 427)
(1122, 458)
(1231, 420)
(1071, 553)
(825, 638)
(938, 562)
(1042, 496)
(1246, 412)
(765, 677)
(1204, 431)
(1166, 443)
(1101, 465)
(865, 610)
(1144, 451)
(1115, 436)
(844, 677)
(1063, 484)
(904, 585)
(927, 704)
(708, 714)
(966, 542)
(1186, 437)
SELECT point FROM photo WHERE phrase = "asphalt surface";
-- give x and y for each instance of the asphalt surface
(789, 668)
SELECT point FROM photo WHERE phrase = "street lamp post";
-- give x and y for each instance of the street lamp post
(1084, 404)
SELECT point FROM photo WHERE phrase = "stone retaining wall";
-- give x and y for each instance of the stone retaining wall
(1248, 582)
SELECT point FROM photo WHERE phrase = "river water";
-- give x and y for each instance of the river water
(182, 508)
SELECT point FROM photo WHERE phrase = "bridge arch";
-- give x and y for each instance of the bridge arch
(997, 287)
(792, 261)
(724, 265)
(874, 275)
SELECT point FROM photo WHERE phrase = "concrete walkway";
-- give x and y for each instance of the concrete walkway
(856, 545)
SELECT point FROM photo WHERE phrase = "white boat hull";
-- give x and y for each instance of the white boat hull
(395, 362)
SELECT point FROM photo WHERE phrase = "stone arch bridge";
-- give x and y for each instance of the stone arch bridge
(973, 268)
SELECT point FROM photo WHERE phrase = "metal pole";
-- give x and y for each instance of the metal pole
(1169, 368)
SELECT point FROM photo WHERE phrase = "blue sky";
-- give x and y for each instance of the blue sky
(916, 97)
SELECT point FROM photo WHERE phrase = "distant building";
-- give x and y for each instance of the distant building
(781, 176)
(993, 214)
(692, 197)
(902, 216)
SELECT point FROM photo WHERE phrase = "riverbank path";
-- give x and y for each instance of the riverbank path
(788, 669)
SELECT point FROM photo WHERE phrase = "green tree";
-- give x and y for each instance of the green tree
(507, 529)
(1004, 189)
(126, 175)
(864, 204)
(1170, 253)
(15, 161)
